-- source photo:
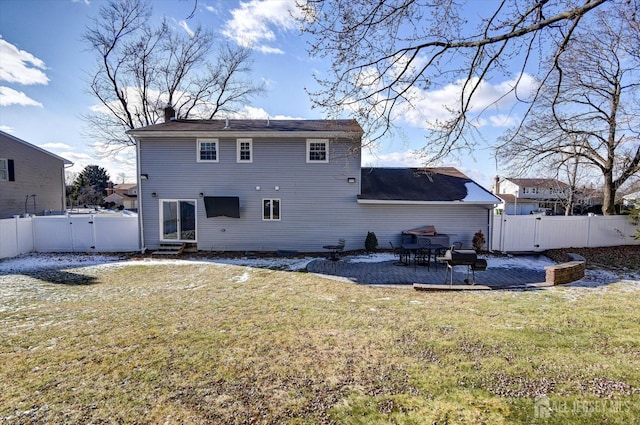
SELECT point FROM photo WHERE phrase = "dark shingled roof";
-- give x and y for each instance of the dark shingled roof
(414, 184)
(262, 126)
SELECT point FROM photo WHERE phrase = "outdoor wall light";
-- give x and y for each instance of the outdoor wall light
(277, 188)
(144, 176)
(351, 179)
(257, 187)
(154, 194)
(202, 194)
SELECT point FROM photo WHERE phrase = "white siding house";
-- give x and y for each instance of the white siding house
(528, 195)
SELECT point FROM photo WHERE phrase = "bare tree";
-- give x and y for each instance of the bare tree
(382, 51)
(588, 109)
(144, 68)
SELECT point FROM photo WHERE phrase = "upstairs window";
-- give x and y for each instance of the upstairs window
(317, 150)
(6, 170)
(245, 150)
(208, 150)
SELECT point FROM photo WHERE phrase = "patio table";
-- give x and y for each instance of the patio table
(418, 250)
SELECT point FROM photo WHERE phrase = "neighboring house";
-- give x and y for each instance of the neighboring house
(588, 200)
(31, 179)
(125, 195)
(631, 199)
(269, 185)
(527, 196)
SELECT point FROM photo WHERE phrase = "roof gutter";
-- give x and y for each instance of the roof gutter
(405, 202)
(231, 133)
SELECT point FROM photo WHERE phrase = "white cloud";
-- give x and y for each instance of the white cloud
(18, 66)
(251, 112)
(429, 106)
(185, 27)
(253, 23)
(392, 159)
(6, 129)
(9, 96)
(51, 146)
(270, 50)
(247, 112)
(115, 163)
(502, 120)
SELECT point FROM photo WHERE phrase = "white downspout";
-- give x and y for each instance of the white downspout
(140, 192)
(64, 186)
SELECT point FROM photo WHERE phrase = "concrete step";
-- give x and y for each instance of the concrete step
(169, 249)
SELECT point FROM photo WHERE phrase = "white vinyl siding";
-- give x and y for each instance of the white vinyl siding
(244, 150)
(317, 151)
(208, 150)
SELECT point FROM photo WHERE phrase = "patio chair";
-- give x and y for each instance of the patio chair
(423, 255)
(397, 252)
(335, 250)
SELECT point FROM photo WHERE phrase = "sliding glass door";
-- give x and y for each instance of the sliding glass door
(178, 220)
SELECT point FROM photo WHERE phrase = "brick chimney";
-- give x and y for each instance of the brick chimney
(169, 113)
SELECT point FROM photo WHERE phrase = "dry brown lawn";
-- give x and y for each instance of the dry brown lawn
(211, 343)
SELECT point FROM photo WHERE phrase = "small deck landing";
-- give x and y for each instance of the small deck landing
(169, 249)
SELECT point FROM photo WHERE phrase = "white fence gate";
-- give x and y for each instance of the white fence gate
(531, 233)
(73, 233)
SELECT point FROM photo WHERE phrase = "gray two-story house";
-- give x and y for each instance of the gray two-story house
(268, 185)
(31, 178)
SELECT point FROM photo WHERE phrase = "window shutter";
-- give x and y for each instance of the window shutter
(12, 176)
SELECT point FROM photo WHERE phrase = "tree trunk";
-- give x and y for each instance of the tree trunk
(609, 201)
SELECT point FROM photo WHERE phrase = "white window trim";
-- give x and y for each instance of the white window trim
(326, 145)
(238, 143)
(262, 209)
(5, 161)
(199, 142)
(161, 219)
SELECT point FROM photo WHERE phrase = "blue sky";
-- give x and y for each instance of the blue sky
(44, 68)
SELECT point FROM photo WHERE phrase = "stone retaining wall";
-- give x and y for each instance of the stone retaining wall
(566, 272)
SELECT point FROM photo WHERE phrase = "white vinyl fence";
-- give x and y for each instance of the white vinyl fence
(119, 233)
(73, 233)
(531, 233)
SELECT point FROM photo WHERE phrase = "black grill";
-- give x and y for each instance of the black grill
(463, 257)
